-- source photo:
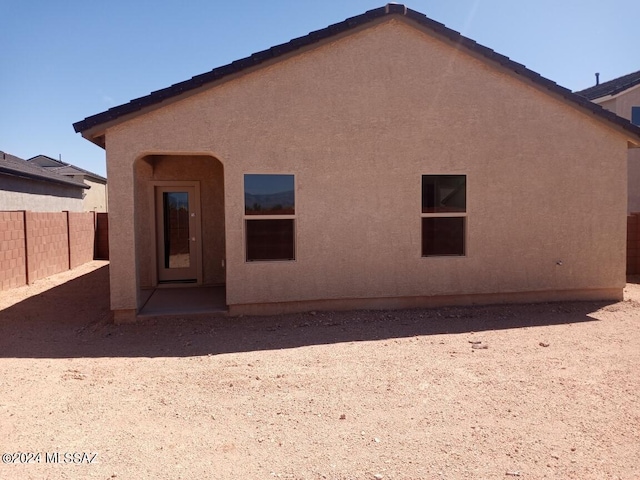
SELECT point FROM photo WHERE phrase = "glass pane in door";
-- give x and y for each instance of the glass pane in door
(177, 238)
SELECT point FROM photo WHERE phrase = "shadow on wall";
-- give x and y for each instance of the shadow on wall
(40, 327)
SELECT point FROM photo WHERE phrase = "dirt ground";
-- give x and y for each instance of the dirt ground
(362, 395)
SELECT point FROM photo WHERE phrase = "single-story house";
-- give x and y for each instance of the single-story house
(28, 186)
(95, 199)
(385, 161)
(622, 97)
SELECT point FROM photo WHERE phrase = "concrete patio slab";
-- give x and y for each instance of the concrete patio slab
(185, 301)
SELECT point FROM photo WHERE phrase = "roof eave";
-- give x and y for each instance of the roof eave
(617, 93)
(16, 173)
(94, 128)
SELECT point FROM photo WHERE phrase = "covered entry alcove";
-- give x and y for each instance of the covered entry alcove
(180, 233)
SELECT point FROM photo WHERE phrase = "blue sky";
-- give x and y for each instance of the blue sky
(65, 60)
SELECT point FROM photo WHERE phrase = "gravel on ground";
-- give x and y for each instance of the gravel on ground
(540, 391)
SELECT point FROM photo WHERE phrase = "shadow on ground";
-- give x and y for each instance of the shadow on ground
(73, 321)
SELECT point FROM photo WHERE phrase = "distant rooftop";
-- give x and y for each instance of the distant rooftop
(17, 167)
(612, 87)
(62, 168)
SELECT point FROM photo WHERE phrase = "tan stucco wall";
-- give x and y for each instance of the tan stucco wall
(206, 170)
(358, 121)
(624, 102)
(95, 199)
(23, 194)
(621, 106)
(609, 105)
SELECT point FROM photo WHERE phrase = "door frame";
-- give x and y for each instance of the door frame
(195, 184)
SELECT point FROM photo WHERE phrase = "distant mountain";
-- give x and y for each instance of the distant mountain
(280, 202)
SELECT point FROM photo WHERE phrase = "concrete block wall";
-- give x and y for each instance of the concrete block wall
(34, 245)
(47, 244)
(633, 244)
(13, 270)
(81, 238)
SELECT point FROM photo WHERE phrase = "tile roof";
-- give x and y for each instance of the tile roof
(258, 58)
(64, 168)
(16, 166)
(612, 87)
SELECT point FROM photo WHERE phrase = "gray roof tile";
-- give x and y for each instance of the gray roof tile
(16, 166)
(64, 168)
(612, 87)
(219, 73)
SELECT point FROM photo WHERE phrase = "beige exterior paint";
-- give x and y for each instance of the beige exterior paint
(25, 194)
(358, 120)
(621, 106)
(95, 199)
(625, 100)
(208, 172)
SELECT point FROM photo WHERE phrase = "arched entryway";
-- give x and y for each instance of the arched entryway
(180, 233)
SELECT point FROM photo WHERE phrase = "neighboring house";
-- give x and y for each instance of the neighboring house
(622, 97)
(383, 162)
(95, 199)
(27, 186)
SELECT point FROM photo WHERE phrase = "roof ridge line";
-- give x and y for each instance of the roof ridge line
(237, 66)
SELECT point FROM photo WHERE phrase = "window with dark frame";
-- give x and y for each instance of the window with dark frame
(444, 212)
(635, 115)
(269, 213)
